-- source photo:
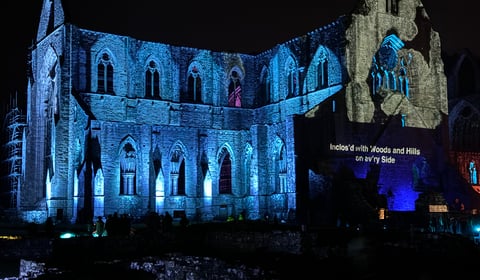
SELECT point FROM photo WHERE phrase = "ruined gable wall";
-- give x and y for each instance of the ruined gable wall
(427, 81)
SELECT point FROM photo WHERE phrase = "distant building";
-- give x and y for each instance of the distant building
(464, 124)
(340, 122)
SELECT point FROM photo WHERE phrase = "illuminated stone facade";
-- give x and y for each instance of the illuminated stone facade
(117, 124)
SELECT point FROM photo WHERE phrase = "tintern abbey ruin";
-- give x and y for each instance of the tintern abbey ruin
(352, 113)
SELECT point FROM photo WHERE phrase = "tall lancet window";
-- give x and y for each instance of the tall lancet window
(177, 173)
(235, 91)
(247, 175)
(152, 81)
(282, 170)
(105, 74)
(292, 79)
(225, 180)
(128, 169)
(194, 91)
(265, 88)
(322, 72)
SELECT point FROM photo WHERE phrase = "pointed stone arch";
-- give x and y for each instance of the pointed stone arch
(178, 168)
(264, 96)
(226, 163)
(247, 170)
(292, 78)
(235, 81)
(153, 78)
(280, 165)
(105, 62)
(195, 84)
(128, 161)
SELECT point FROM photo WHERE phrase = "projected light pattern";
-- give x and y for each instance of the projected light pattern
(397, 187)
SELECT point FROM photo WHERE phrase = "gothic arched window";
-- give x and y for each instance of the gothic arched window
(152, 81)
(235, 91)
(292, 79)
(322, 72)
(247, 175)
(194, 90)
(128, 169)
(281, 166)
(225, 180)
(177, 173)
(264, 91)
(267, 87)
(105, 74)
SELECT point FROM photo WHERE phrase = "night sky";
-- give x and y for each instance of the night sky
(228, 26)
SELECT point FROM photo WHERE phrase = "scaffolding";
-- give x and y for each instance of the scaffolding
(14, 124)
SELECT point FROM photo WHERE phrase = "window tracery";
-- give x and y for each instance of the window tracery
(389, 71)
(177, 172)
(105, 74)
(225, 178)
(322, 71)
(152, 81)
(292, 78)
(235, 90)
(194, 90)
(128, 169)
